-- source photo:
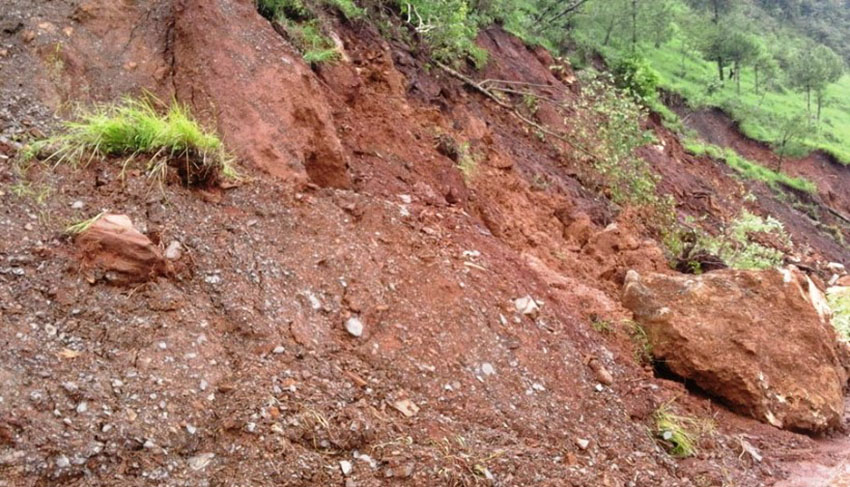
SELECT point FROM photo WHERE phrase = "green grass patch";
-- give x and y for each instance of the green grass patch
(134, 127)
(749, 169)
(679, 434)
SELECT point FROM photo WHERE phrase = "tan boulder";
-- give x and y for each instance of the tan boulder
(758, 340)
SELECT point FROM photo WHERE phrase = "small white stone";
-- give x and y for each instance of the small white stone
(162, 345)
(487, 369)
(191, 429)
(82, 407)
(346, 467)
(78, 205)
(149, 444)
(354, 326)
(62, 461)
(106, 428)
(174, 250)
(582, 443)
(203, 385)
(405, 198)
(278, 349)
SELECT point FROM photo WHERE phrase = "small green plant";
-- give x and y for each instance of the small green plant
(677, 433)
(839, 302)
(303, 25)
(133, 128)
(82, 226)
(315, 47)
(640, 339)
(601, 325)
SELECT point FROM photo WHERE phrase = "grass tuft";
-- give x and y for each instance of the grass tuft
(134, 127)
(676, 432)
(80, 227)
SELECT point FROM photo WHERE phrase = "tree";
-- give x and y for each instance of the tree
(812, 70)
(714, 42)
(741, 49)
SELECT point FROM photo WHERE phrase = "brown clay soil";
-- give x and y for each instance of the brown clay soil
(235, 367)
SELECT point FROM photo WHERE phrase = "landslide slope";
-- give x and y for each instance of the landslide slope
(236, 367)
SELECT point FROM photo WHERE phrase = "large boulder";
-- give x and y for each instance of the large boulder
(759, 340)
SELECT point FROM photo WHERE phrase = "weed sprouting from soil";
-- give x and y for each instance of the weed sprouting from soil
(678, 433)
(133, 128)
(82, 226)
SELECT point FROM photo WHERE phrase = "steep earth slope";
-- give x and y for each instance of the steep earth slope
(236, 367)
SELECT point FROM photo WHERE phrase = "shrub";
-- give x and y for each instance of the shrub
(633, 74)
(134, 127)
(737, 248)
(449, 28)
(612, 128)
(839, 302)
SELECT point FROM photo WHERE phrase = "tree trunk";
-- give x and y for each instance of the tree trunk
(720, 68)
(738, 77)
(634, 25)
(756, 70)
(608, 32)
(809, 101)
(820, 103)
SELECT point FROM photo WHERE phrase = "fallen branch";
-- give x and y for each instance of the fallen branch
(477, 86)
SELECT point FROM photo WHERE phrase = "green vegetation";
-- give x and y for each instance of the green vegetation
(302, 22)
(747, 169)
(737, 246)
(612, 129)
(82, 226)
(449, 27)
(134, 127)
(679, 434)
(839, 302)
(640, 339)
(747, 58)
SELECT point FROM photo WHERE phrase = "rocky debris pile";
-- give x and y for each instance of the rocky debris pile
(759, 340)
(113, 249)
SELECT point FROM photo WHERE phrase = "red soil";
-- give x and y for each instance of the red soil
(240, 359)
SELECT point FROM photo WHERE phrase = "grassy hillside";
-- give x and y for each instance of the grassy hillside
(760, 115)
(675, 49)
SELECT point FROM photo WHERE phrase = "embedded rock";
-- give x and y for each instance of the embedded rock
(112, 246)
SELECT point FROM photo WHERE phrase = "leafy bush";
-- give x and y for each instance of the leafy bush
(633, 74)
(448, 26)
(134, 127)
(613, 130)
(737, 248)
(839, 302)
